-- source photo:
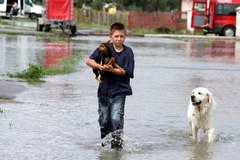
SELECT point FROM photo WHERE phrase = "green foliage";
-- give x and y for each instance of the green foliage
(166, 30)
(144, 31)
(132, 5)
(3, 22)
(80, 3)
(155, 31)
(34, 72)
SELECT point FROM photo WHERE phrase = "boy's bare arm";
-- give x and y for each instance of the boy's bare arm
(92, 63)
(109, 68)
(118, 71)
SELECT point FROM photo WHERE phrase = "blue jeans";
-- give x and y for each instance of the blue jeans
(111, 114)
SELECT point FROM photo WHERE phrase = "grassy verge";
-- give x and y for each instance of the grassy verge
(163, 31)
(35, 73)
(93, 26)
(4, 100)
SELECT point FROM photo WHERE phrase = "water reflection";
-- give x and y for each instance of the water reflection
(13, 53)
(213, 49)
(18, 51)
(55, 52)
(111, 155)
(223, 51)
(201, 150)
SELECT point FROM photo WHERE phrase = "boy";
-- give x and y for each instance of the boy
(115, 84)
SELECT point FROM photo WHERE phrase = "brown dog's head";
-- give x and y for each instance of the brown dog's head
(104, 47)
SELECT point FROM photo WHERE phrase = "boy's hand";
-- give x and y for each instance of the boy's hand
(107, 68)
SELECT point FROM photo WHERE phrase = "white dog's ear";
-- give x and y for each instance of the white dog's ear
(210, 97)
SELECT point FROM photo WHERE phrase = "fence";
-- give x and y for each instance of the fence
(154, 20)
(133, 20)
(99, 17)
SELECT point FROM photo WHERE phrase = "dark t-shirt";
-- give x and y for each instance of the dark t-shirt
(112, 84)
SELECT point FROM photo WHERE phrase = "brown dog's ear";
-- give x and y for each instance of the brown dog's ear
(108, 43)
(100, 44)
(102, 47)
(210, 97)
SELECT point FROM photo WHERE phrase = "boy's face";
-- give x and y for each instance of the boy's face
(118, 37)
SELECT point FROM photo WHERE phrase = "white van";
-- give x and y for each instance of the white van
(26, 8)
(32, 10)
(5, 7)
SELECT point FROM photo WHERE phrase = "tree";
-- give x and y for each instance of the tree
(80, 3)
(158, 5)
(133, 5)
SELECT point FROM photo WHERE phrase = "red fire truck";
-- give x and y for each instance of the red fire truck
(221, 16)
(59, 14)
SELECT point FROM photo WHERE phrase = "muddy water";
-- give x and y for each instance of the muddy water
(58, 119)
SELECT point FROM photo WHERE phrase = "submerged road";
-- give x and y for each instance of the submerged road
(58, 119)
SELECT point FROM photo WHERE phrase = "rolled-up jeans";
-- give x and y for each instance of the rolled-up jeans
(111, 114)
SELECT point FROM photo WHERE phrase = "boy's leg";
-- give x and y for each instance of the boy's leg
(117, 142)
(117, 121)
(104, 118)
(117, 112)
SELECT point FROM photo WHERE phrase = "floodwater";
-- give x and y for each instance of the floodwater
(57, 119)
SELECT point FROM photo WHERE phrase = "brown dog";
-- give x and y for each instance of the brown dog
(105, 58)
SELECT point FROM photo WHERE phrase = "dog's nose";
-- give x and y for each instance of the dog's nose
(192, 98)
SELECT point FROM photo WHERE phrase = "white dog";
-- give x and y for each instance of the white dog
(200, 113)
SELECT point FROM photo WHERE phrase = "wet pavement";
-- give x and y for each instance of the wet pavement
(10, 89)
(58, 119)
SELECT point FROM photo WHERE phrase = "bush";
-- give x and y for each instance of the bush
(34, 72)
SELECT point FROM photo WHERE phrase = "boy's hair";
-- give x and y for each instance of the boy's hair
(117, 26)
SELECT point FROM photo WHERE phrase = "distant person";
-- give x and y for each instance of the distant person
(205, 27)
(14, 9)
